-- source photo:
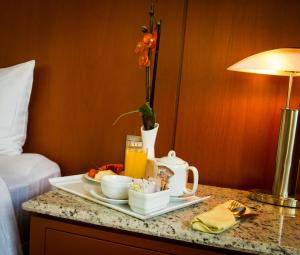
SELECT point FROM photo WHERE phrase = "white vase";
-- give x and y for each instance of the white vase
(148, 138)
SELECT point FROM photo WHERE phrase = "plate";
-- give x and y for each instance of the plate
(103, 198)
(90, 178)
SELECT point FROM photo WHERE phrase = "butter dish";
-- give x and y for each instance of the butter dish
(147, 203)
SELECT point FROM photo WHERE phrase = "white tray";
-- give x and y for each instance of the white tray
(75, 185)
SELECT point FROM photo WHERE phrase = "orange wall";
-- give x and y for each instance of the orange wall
(224, 123)
(87, 74)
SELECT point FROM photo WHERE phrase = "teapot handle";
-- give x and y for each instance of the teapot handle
(196, 178)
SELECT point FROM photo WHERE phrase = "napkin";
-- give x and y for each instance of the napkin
(215, 221)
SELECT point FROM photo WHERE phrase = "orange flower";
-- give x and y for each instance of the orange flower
(140, 48)
(149, 40)
(143, 60)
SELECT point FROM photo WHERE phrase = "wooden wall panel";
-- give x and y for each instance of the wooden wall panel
(87, 74)
(227, 121)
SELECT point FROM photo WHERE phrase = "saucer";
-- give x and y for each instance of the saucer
(105, 199)
(181, 198)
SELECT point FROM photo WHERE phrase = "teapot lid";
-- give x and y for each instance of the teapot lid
(171, 159)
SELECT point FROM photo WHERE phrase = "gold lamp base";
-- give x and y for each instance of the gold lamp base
(267, 197)
(287, 164)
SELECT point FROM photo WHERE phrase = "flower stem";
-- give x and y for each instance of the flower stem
(148, 68)
(148, 79)
(158, 25)
(124, 114)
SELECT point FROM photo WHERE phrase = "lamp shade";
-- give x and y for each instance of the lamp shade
(281, 62)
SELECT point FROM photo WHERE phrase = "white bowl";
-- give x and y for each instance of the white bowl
(147, 203)
(115, 186)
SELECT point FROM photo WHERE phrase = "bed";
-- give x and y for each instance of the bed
(22, 175)
(21, 178)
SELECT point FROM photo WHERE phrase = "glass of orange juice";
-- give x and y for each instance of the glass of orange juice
(135, 160)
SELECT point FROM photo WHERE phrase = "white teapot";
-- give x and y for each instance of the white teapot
(178, 181)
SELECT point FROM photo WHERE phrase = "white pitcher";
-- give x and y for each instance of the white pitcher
(178, 181)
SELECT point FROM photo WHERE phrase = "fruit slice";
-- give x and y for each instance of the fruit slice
(117, 168)
(92, 172)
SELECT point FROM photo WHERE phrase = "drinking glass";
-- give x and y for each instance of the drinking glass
(135, 160)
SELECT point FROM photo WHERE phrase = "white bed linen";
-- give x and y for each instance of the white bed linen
(25, 176)
(9, 237)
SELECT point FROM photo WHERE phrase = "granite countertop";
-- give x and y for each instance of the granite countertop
(275, 231)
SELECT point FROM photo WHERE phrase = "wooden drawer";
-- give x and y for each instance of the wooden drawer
(53, 236)
(62, 243)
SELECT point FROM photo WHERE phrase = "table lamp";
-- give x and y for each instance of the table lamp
(282, 62)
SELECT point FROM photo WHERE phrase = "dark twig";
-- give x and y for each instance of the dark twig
(148, 78)
(155, 65)
(148, 68)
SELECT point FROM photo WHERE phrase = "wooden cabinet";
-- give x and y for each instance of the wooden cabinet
(53, 236)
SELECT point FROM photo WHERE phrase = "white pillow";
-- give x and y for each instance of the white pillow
(15, 90)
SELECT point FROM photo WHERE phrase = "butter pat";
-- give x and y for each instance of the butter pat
(100, 174)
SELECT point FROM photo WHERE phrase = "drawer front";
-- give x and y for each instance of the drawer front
(62, 243)
(58, 237)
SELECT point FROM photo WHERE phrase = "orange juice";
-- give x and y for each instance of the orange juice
(135, 162)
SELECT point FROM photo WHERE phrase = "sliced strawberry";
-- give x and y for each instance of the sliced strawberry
(92, 172)
(117, 168)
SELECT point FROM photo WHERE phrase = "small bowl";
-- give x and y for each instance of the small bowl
(147, 203)
(115, 186)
